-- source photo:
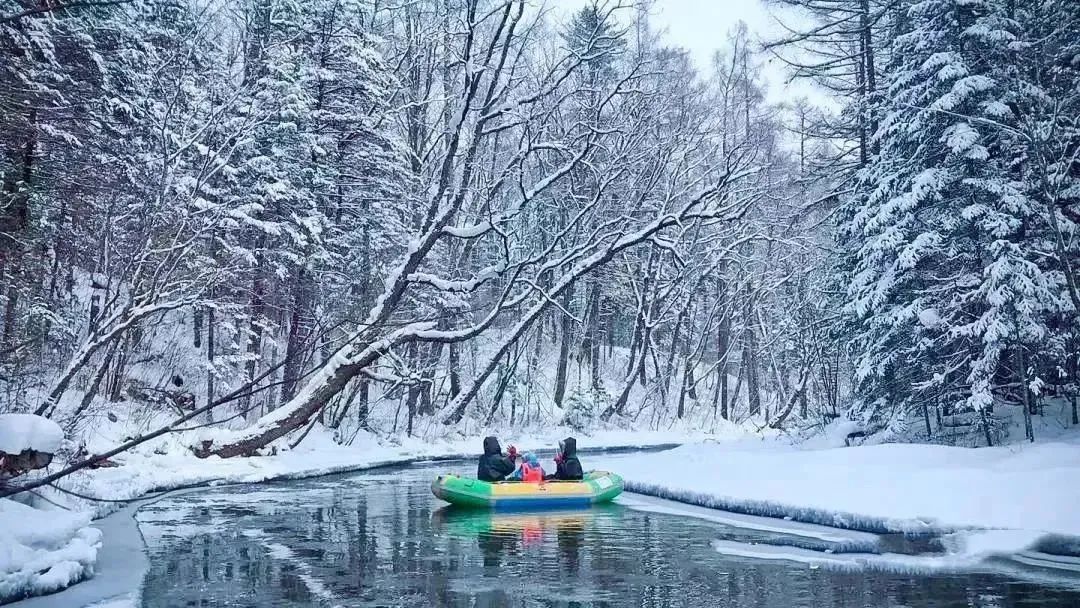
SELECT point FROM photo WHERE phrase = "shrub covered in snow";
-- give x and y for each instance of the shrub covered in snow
(583, 407)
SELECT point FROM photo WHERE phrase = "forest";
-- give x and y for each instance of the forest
(245, 219)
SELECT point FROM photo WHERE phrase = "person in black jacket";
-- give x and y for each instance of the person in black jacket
(493, 465)
(567, 465)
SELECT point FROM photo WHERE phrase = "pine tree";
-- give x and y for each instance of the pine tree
(945, 285)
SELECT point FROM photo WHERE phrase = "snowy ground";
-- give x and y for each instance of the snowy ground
(992, 500)
(44, 550)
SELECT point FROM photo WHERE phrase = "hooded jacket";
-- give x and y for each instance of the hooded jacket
(567, 465)
(493, 466)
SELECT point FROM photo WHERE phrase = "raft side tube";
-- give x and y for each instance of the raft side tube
(596, 487)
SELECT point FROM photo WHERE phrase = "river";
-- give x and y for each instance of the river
(381, 539)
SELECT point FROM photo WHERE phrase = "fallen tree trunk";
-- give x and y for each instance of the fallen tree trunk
(804, 375)
(173, 426)
(330, 380)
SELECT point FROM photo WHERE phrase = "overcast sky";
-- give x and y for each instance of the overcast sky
(702, 26)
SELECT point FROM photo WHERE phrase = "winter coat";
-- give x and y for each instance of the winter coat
(493, 466)
(567, 465)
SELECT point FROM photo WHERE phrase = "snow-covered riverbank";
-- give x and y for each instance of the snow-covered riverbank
(55, 547)
(883, 488)
(1019, 492)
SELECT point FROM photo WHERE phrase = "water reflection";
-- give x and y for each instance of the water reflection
(502, 535)
(382, 540)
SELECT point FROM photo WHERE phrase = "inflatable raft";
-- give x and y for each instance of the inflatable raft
(597, 487)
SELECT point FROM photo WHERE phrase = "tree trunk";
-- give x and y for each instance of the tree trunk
(427, 379)
(723, 345)
(926, 419)
(592, 333)
(453, 363)
(619, 405)
(196, 327)
(363, 405)
(10, 307)
(95, 384)
(413, 394)
(680, 410)
(869, 69)
(257, 310)
(804, 375)
(410, 408)
(1074, 374)
(753, 392)
(1021, 355)
(565, 337)
(506, 374)
(530, 372)
(738, 385)
(299, 334)
(327, 382)
(116, 383)
(210, 362)
(985, 421)
(669, 369)
(15, 215)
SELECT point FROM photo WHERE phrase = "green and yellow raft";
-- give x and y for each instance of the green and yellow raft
(597, 487)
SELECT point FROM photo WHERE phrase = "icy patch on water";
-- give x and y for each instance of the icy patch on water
(303, 571)
(985, 543)
(125, 601)
(966, 551)
(844, 540)
(887, 562)
(763, 508)
(1047, 561)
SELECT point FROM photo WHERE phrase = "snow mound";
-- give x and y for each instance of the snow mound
(20, 432)
(43, 551)
(910, 489)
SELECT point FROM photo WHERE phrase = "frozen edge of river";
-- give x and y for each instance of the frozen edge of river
(1004, 552)
(122, 562)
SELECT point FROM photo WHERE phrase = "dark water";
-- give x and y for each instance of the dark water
(381, 539)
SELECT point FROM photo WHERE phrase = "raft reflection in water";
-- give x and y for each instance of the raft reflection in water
(504, 536)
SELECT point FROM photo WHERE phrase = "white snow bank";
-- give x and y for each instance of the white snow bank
(43, 551)
(882, 488)
(966, 550)
(848, 540)
(20, 432)
(143, 472)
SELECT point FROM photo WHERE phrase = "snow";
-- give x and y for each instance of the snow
(987, 500)
(929, 317)
(848, 540)
(63, 538)
(880, 488)
(20, 432)
(42, 551)
(320, 455)
(968, 550)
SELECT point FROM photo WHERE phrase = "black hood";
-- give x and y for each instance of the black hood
(568, 446)
(491, 446)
